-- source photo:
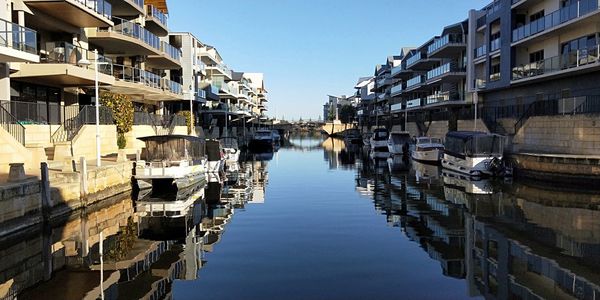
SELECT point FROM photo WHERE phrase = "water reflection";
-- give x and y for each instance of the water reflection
(517, 241)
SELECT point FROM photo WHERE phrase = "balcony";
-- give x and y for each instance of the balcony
(396, 89)
(17, 43)
(579, 60)
(220, 69)
(446, 72)
(126, 38)
(64, 64)
(170, 57)
(437, 98)
(127, 7)
(495, 45)
(449, 45)
(80, 13)
(556, 19)
(420, 62)
(413, 59)
(480, 52)
(396, 107)
(156, 20)
(414, 103)
(415, 82)
(135, 81)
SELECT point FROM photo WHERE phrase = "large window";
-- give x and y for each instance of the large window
(536, 56)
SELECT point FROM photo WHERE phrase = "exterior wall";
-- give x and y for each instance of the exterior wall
(578, 135)
(84, 144)
(40, 134)
(13, 152)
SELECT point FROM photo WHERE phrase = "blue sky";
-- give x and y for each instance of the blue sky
(310, 48)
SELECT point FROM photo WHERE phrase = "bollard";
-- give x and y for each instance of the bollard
(46, 196)
(16, 172)
(83, 181)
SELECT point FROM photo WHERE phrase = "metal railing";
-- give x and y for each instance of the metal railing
(172, 86)
(136, 75)
(450, 38)
(560, 106)
(100, 6)
(396, 89)
(139, 3)
(86, 115)
(67, 53)
(439, 97)
(444, 69)
(17, 37)
(134, 30)
(154, 12)
(414, 102)
(554, 64)
(222, 68)
(413, 59)
(574, 10)
(11, 124)
(170, 50)
(33, 112)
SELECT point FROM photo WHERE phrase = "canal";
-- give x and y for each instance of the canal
(322, 220)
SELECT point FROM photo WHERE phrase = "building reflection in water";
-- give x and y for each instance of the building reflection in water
(506, 240)
(148, 243)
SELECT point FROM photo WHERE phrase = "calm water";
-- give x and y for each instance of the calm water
(319, 220)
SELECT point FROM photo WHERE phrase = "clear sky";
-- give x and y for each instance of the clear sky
(311, 48)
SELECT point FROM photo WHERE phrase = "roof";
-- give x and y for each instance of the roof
(465, 135)
(159, 4)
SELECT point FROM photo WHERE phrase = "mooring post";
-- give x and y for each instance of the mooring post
(83, 181)
(46, 200)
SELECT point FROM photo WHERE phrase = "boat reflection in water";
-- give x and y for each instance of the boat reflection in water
(508, 241)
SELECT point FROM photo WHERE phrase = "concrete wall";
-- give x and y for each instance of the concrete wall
(13, 152)
(579, 134)
(84, 143)
(40, 134)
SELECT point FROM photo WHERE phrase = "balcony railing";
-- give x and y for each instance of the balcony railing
(437, 98)
(20, 38)
(67, 53)
(172, 86)
(152, 11)
(101, 7)
(170, 50)
(494, 44)
(414, 103)
(554, 64)
(443, 69)
(415, 81)
(136, 31)
(136, 75)
(222, 68)
(396, 88)
(451, 38)
(413, 59)
(481, 51)
(201, 95)
(556, 18)
(10, 124)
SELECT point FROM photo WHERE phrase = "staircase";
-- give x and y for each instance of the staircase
(11, 124)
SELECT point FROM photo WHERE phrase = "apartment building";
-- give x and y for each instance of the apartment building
(529, 54)
(364, 96)
(382, 89)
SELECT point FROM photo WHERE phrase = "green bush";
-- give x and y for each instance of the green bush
(121, 141)
(122, 109)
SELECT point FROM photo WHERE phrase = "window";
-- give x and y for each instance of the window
(538, 15)
(536, 56)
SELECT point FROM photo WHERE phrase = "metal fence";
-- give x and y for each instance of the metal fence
(12, 125)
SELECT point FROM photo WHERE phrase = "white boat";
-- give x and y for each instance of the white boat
(428, 149)
(179, 160)
(399, 143)
(426, 172)
(379, 140)
(262, 140)
(216, 156)
(231, 150)
(474, 153)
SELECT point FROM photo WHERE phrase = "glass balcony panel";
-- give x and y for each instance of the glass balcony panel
(17, 37)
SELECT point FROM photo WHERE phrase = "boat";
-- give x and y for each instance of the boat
(475, 153)
(231, 150)
(353, 137)
(172, 161)
(262, 140)
(215, 156)
(399, 143)
(424, 172)
(366, 138)
(276, 137)
(428, 150)
(379, 140)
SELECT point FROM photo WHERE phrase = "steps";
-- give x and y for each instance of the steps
(49, 152)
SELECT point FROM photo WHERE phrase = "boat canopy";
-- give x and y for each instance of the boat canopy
(474, 143)
(401, 138)
(229, 142)
(352, 132)
(174, 147)
(380, 134)
(263, 133)
(428, 140)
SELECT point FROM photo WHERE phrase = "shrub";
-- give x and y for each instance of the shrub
(122, 110)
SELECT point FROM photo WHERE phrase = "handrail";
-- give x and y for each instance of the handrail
(65, 52)
(20, 38)
(102, 7)
(136, 31)
(450, 38)
(572, 59)
(11, 125)
(154, 12)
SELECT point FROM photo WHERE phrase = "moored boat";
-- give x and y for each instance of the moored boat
(475, 153)
(379, 140)
(428, 149)
(353, 137)
(216, 156)
(399, 143)
(262, 140)
(178, 160)
(231, 150)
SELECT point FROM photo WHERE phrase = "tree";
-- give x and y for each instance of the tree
(122, 110)
(347, 114)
